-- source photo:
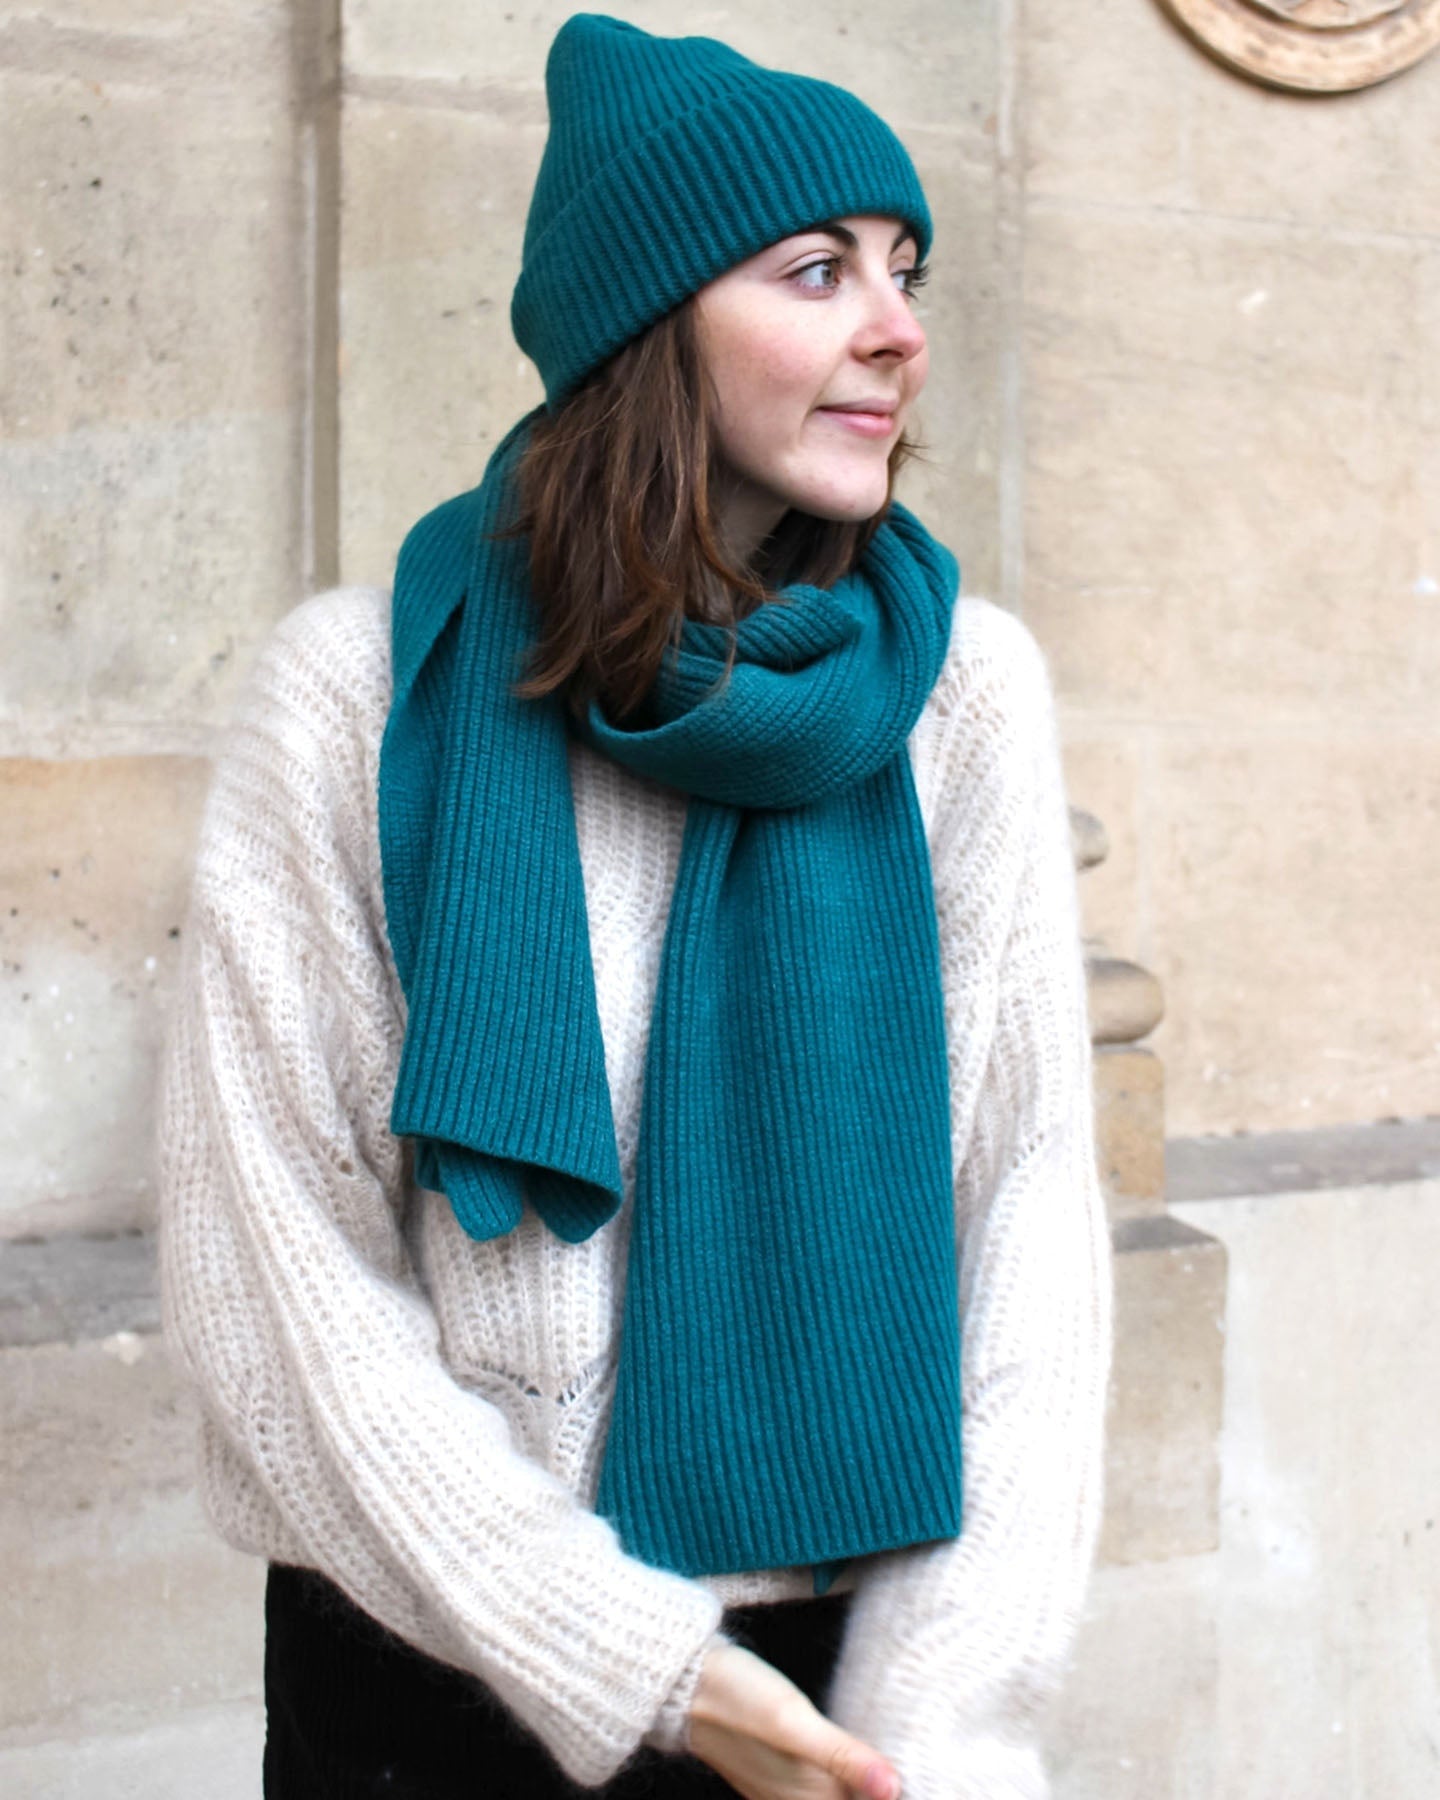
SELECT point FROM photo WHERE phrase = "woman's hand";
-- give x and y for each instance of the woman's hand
(754, 1726)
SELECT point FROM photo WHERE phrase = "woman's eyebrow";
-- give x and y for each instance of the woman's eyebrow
(833, 228)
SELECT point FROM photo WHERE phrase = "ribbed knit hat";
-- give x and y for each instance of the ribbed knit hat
(670, 160)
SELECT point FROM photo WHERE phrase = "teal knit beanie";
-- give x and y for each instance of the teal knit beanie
(670, 160)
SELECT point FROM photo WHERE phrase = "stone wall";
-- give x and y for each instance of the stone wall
(1230, 339)
(1181, 417)
(155, 497)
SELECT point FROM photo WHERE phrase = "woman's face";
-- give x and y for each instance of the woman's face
(797, 339)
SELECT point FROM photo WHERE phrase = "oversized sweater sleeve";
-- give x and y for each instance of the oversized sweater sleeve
(290, 1297)
(952, 1650)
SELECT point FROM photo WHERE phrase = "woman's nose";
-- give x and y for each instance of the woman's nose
(891, 327)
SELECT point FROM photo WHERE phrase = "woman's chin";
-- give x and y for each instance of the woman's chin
(846, 498)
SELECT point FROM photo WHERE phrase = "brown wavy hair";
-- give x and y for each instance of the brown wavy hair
(614, 491)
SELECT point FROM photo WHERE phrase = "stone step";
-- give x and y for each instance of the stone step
(120, 1611)
(1162, 1481)
(202, 1753)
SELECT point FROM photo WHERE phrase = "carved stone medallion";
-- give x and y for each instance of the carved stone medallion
(1317, 46)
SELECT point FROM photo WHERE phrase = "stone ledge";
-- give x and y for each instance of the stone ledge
(68, 1289)
(1280, 1162)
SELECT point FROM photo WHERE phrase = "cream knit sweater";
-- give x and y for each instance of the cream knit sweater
(421, 1416)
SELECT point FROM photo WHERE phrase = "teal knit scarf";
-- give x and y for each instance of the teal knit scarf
(788, 1387)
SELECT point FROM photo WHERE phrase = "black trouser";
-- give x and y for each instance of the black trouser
(353, 1712)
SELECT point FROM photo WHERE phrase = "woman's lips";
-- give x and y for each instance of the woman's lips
(868, 424)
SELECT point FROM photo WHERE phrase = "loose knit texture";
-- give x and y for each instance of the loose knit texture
(792, 1250)
(419, 1415)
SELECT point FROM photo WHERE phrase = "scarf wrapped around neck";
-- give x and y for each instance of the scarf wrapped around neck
(788, 1382)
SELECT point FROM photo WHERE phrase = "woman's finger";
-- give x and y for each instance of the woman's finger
(741, 1693)
(758, 1771)
(822, 1743)
(800, 1730)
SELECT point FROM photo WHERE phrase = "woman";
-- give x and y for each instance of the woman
(633, 1039)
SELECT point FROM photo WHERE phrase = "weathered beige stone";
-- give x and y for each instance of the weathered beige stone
(1206, 613)
(1130, 1128)
(1360, 162)
(1252, 550)
(1330, 1559)
(114, 30)
(111, 316)
(1296, 874)
(160, 1760)
(1254, 541)
(95, 869)
(1105, 774)
(1125, 1000)
(1120, 106)
(1087, 839)
(1100, 118)
(146, 567)
(150, 482)
(116, 1594)
(1136, 1717)
(434, 213)
(913, 72)
(1155, 293)
(1162, 1481)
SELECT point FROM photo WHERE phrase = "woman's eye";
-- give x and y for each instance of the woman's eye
(914, 279)
(831, 264)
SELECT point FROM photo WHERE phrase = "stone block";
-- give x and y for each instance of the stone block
(433, 221)
(1330, 1559)
(1253, 541)
(1100, 117)
(1105, 773)
(178, 1753)
(147, 566)
(1125, 1000)
(1137, 1715)
(1260, 556)
(910, 71)
(1121, 107)
(117, 1600)
(1130, 1128)
(1125, 295)
(1088, 840)
(152, 390)
(1251, 567)
(95, 866)
(1296, 874)
(214, 39)
(111, 315)
(1360, 162)
(1166, 1392)
(64, 1290)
